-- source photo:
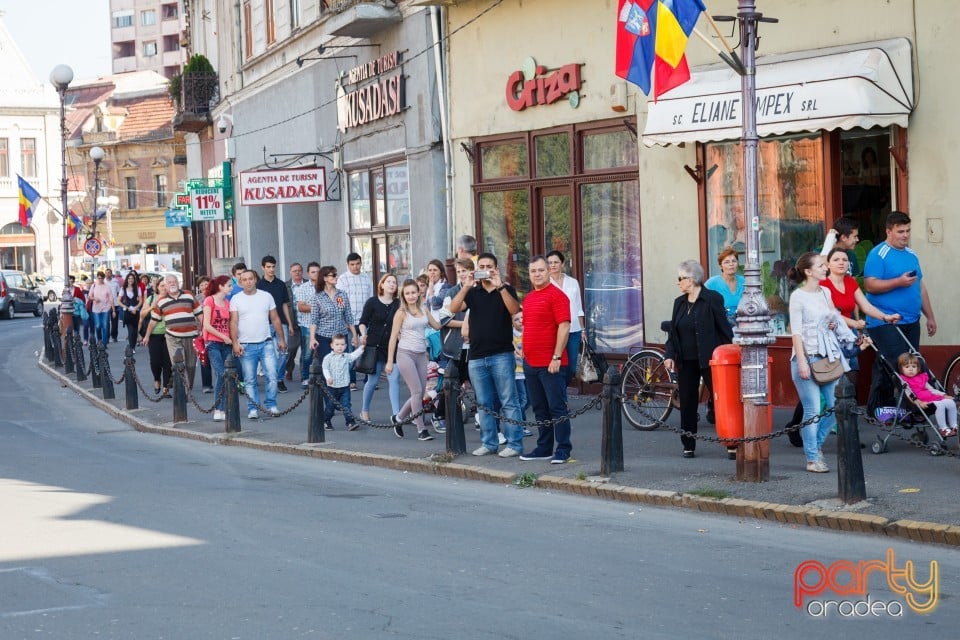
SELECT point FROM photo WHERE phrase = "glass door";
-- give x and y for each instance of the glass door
(555, 206)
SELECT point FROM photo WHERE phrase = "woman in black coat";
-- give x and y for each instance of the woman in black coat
(698, 326)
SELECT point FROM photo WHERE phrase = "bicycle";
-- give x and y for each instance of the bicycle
(646, 383)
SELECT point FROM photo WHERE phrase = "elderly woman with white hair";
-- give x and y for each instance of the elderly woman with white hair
(698, 326)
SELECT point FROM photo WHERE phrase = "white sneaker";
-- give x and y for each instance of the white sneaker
(252, 414)
(305, 384)
(219, 416)
(508, 453)
(483, 451)
(502, 438)
(274, 411)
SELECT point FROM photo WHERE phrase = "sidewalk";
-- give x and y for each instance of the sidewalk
(904, 486)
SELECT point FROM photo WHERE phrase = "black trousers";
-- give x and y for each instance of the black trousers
(688, 392)
(160, 364)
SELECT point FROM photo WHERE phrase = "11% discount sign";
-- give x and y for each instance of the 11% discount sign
(207, 203)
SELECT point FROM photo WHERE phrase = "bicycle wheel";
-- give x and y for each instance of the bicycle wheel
(648, 390)
(951, 376)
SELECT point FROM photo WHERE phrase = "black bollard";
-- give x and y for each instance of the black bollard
(231, 395)
(76, 348)
(48, 339)
(850, 482)
(456, 440)
(105, 379)
(129, 380)
(95, 369)
(62, 357)
(611, 439)
(179, 388)
(315, 426)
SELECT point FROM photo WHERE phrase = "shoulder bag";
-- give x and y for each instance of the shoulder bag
(824, 371)
(145, 321)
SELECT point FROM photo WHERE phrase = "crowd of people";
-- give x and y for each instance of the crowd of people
(828, 312)
(411, 331)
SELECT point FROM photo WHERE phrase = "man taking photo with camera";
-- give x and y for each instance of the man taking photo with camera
(492, 364)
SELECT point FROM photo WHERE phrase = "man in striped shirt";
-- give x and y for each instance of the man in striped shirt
(180, 311)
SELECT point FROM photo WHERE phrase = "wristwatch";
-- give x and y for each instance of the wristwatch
(557, 358)
(500, 288)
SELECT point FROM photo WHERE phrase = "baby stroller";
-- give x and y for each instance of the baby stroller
(905, 413)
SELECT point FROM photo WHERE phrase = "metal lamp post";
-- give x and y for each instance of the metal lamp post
(96, 154)
(60, 78)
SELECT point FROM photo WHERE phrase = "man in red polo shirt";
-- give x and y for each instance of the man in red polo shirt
(546, 326)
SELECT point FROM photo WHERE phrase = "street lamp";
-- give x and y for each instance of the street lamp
(96, 154)
(60, 77)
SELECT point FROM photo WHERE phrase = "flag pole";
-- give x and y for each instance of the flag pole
(726, 45)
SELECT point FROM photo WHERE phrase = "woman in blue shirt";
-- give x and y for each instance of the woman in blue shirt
(729, 284)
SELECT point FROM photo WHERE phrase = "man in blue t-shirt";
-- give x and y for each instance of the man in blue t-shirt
(894, 283)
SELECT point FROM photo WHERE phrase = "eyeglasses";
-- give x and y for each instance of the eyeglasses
(682, 278)
(331, 275)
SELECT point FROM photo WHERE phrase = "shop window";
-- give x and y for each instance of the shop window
(612, 301)
(398, 196)
(791, 208)
(4, 158)
(505, 229)
(359, 200)
(381, 233)
(28, 157)
(609, 150)
(504, 160)
(866, 189)
(552, 155)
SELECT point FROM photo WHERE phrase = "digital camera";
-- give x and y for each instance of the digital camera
(483, 274)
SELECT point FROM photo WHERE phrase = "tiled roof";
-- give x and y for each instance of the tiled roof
(147, 117)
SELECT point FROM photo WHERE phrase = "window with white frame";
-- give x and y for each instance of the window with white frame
(28, 157)
(4, 158)
(160, 186)
(149, 49)
(122, 19)
(148, 18)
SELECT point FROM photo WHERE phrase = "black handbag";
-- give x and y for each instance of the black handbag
(367, 362)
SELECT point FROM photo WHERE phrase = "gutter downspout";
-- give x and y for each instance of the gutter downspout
(436, 15)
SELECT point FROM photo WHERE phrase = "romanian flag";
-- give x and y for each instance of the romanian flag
(73, 224)
(636, 26)
(675, 22)
(28, 201)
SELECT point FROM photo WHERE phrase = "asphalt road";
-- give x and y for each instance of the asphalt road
(106, 532)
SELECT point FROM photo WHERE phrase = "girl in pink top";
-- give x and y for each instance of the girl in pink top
(919, 383)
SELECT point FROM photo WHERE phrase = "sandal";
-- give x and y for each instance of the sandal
(365, 416)
(165, 393)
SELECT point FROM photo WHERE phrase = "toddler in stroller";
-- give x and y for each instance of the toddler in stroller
(923, 394)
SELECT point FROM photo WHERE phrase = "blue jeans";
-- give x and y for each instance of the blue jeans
(341, 395)
(573, 354)
(265, 354)
(393, 387)
(810, 394)
(281, 357)
(306, 353)
(101, 326)
(493, 379)
(217, 353)
(548, 397)
(521, 385)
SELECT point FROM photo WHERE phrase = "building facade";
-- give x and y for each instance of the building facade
(129, 117)
(845, 130)
(145, 36)
(29, 147)
(346, 89)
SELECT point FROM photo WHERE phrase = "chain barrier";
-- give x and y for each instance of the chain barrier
(107, 373)
(427, 408)
(147, 394)
(476, 407)
(216, 400)
(727, 441)
(241, 387)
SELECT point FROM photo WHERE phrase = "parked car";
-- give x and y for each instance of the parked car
(50, 287)
(18, 294)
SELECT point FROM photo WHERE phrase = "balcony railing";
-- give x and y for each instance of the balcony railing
(199, 92)
(360, 18)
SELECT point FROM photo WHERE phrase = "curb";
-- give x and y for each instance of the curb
(783, 514)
